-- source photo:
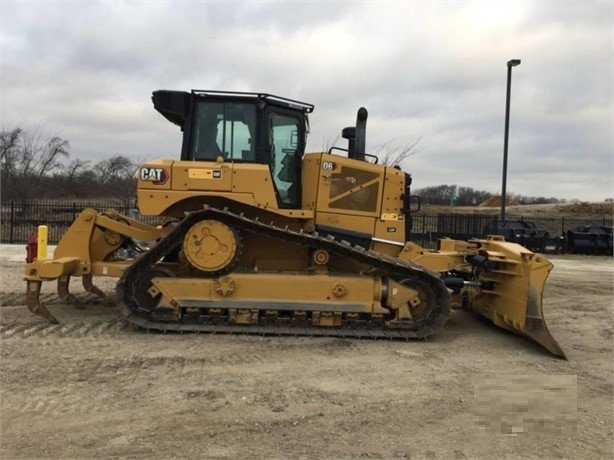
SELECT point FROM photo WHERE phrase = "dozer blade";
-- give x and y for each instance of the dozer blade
(501, 281)
(512, 291)
(535, 328)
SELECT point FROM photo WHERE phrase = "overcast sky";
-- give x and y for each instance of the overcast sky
(429, 70)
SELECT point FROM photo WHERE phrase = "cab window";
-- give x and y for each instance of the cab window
(285, 156)
(226, 129)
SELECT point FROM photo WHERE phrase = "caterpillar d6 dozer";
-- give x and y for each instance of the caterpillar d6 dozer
(260, 237)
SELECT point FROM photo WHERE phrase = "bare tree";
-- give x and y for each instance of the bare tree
(116, 167)
(386, 154)
(75, 168)
(116, 177)
(26, 157)
(47, 159)
(71, 177)
(395, 156)
(9, 152)
(327, 144)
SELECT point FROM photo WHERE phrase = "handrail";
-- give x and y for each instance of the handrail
(375, 158)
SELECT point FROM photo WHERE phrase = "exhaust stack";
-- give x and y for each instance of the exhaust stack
(357, 136)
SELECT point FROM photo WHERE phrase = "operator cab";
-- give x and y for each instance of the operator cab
(242, 127)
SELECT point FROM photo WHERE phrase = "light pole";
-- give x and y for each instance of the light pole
(511, 63)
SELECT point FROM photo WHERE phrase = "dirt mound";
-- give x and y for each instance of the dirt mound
(573, 210)
(583, 208)
(496, 201)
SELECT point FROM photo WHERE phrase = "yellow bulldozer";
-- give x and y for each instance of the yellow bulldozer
(258, 236)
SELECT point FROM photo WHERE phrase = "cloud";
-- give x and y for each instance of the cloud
(435, 70)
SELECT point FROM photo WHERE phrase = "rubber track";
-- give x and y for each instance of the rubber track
(389, 267)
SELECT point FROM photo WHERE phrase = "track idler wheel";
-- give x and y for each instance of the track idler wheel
(142, 288)
(412, 302)
(211, 246)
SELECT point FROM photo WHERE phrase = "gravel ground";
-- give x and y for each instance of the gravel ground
(92, 387)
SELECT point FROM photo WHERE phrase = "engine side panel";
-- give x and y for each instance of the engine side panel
(164, 185)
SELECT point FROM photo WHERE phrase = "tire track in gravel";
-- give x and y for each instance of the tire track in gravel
(67, 396)
(194, 344)
(8, 299)
(71, 329)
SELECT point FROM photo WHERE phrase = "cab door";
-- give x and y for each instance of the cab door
(285, 135)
